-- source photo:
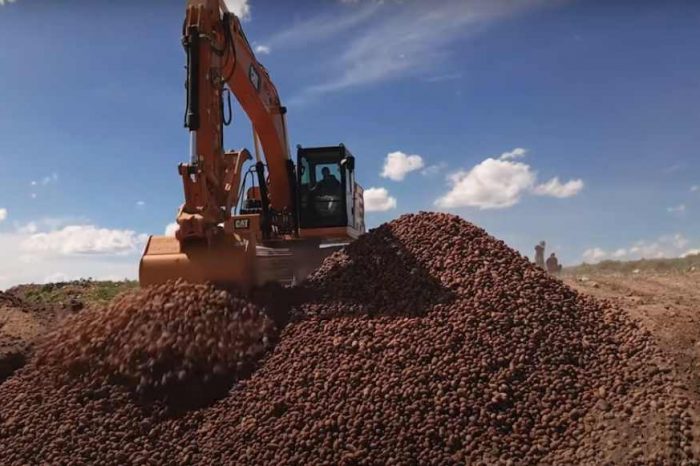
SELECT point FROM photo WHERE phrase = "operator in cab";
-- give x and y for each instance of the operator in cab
(329, 184)
(327, 194)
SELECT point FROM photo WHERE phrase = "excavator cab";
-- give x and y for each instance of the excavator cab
(330, 202)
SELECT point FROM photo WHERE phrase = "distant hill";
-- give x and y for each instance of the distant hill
(86, 292)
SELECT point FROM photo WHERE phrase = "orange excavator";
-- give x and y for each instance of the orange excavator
(242, 228)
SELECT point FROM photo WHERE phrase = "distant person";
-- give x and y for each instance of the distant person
(553, 266)
(539, 254)
(329, 185)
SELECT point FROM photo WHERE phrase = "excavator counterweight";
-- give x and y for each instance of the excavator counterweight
(237, 228)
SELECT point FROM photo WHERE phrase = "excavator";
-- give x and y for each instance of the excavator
(272, 222)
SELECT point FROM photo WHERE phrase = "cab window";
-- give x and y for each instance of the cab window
(305, 172)
(333, 169)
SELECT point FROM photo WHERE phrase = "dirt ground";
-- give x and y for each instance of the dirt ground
(20, 324)
(665, 303)
(28, 311)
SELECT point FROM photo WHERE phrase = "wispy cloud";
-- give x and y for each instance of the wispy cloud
(6, 2)
(555, 188)
(678, 209)
(673, 168)
(516, 153)
(322, 27)
(674, 245)
(438, 78)
(45, 181)
(262, 49)
(395, 39)
(434, 169)
(52, 178)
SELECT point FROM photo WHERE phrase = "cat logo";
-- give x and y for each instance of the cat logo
(241, 224)
(254, 77)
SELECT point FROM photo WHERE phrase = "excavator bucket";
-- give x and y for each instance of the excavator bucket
(228, 262)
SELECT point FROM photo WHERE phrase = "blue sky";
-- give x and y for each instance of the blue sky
(602, 96)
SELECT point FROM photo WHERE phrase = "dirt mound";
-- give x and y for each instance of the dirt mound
(71, 296)
(10, 300)
(168, 340)
(481, 359)
(20, 324)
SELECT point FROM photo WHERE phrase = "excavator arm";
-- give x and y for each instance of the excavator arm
(220, 59)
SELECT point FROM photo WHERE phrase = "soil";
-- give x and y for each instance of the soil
(20, 324)
(666, 304)
(28, 311)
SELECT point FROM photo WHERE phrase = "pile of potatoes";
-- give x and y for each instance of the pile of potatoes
(426, 341)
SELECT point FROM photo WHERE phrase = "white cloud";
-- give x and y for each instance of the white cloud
(594, 255)
(320, 28)
(41, 251)
(262, 49)
(491, 184)
(694, 188)
(691, 252)
(666, 246)
(49, 224)
(497, 183)
(45, 181)
(401, 41)
(678, 209)
(3, 214)
(555, 188)
(6, 2)
(516, 153)
(240, 8)
(378, 200)
(438, 78)
(52, 178)
(140, 203)
(672, 168)
(398, 164)
(29, 228)
(171, 228)
(434, 169)
(84, 239)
